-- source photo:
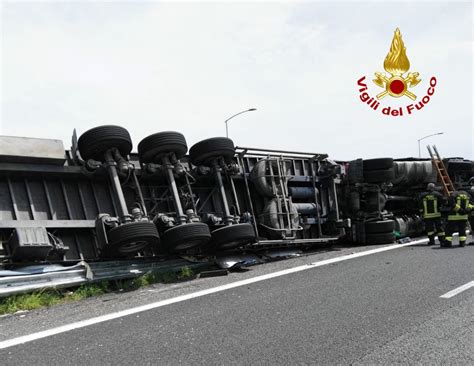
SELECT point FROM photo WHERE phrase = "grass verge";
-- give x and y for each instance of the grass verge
(50, 297)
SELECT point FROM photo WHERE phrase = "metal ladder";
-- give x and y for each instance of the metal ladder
(441, 170)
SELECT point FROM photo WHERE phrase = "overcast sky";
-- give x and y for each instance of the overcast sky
(187, 66)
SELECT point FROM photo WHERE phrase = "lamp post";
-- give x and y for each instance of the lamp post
(228, 119)
(425, 137)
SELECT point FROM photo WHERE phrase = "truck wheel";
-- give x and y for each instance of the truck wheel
(95, 142)
(205, 151)
(231, 237)
(376, 227)
(378, 164)
(379, 176)
(152, 148)
(383, 238)
(132, 237)
(459, 166)
(186, 236)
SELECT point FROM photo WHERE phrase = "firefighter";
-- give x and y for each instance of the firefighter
(430, 208)
(460, 207)
(471, 215)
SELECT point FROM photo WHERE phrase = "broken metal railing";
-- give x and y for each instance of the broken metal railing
(39, 277)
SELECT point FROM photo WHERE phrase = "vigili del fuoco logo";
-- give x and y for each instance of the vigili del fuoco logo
(396, 85)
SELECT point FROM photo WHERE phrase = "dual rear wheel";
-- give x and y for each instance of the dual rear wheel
(130, 238)
(380, 232)
(379, 170)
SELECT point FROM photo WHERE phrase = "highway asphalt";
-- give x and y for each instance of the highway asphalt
(381, 308)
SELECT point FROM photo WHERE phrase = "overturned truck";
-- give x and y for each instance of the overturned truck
(100, 201)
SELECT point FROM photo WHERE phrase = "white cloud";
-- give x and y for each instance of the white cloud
(189, 66)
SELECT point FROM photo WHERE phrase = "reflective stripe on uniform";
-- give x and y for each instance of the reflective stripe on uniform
(457, 217)
(430, 207)
(462, 202)
(462, 238)
(431, 215)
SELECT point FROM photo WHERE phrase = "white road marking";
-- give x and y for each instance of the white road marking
(458, 290)
(120, 314)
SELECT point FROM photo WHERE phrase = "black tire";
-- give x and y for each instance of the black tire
(377, 227)
(379, 176)
(232, 237)
(459, 166)
(95, 142)
(378, 164)
(383, 238)
(132, 237)
(151, 148)
(186, 236)
(205, 151)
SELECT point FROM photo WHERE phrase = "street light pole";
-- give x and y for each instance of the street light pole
(425, 137)
(228, 119)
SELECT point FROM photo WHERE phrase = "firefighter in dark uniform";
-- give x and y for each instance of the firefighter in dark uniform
(430, 208)
(460, 207)
(471, 215)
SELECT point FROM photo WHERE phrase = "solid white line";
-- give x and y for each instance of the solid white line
(139, 309)
(458, 290)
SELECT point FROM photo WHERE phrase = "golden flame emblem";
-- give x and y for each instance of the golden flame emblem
(396, 63)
